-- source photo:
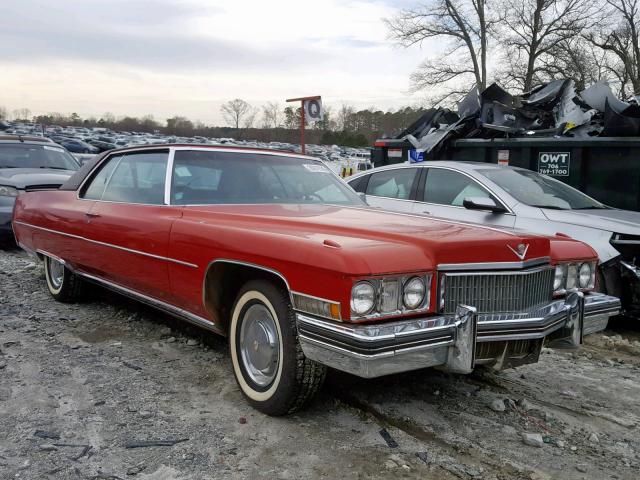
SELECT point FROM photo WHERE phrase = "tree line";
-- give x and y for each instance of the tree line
(521, 43)
(345, 126)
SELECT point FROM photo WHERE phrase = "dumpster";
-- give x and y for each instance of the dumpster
(605, 168)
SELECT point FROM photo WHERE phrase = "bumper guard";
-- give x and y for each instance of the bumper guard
(456, 343)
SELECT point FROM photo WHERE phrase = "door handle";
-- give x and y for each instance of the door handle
(92, 215)
(427, 212)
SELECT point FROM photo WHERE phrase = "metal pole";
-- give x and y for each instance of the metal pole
(302, 149)
(302, 117)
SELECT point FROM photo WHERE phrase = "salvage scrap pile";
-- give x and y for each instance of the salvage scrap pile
(551, 110)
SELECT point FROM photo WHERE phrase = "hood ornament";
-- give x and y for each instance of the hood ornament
(520, 250)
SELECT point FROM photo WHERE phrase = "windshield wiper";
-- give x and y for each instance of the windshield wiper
(550, 207)
(56, 168)
(601, 207)
(8, 166)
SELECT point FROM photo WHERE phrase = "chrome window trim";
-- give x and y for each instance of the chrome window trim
(392, 198)
(104, 244)
(508, 212)
(169, 177)
(122, 155)
(276, 153)
(465, 267)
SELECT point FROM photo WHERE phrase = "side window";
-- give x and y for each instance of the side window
(96, 187)
(195, 180)
(392, 183)
(446, 187)
(359, 184)
(138, 178)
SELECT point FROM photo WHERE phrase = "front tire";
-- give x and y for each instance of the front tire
(274, 375)
(63, 284)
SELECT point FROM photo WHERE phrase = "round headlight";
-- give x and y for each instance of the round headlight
(413, 293)
(559, 279)
(363, 298)
(584, 275)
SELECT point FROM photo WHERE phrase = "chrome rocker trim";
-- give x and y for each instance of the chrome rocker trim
(450, 342)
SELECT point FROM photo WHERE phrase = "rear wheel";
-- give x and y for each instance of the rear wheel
(268, 362)
(63, 284)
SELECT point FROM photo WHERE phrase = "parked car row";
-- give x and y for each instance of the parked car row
(97, 140)
(275, 251)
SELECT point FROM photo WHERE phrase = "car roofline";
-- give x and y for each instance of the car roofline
(204, 146)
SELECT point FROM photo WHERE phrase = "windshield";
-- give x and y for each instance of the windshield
(203, 177)
(538, 190)
(36, 156)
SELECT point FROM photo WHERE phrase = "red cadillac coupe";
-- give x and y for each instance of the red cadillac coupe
(274, 251)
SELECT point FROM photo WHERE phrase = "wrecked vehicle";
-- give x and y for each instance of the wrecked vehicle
(276, 252)
(516, 198)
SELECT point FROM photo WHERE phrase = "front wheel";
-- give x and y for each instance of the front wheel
(268, 362)
(63, 284)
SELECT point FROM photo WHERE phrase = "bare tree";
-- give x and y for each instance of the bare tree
(618, 34)
(3, 113)
(250, 117)
(345, 117)
(271, 115)
(577, 59)
(234, 111)
(464, 24)
(533, 31)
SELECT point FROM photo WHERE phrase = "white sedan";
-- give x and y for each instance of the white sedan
(513, 197)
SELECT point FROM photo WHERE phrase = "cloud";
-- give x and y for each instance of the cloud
(140, 33)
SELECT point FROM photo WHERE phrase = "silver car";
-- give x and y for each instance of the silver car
(515, 198)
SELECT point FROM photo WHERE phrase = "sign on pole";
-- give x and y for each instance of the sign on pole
(310, 107)
(313, 110)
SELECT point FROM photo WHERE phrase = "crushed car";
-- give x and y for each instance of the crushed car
(274, 251)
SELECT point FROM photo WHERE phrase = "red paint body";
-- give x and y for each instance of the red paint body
(320, 250)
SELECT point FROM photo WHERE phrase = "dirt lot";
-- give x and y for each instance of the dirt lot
(81, 386)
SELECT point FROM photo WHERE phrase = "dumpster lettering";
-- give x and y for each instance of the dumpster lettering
(554, 163)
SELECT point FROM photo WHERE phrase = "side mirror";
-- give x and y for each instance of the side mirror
(483, 203)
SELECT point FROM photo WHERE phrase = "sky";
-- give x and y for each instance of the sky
(187, 57)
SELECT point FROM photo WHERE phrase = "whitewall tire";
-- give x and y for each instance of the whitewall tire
(270, 368)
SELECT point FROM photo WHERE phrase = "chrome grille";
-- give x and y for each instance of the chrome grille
(497, 292)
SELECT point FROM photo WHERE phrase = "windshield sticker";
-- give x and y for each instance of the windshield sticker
(182, 172)
(55, 149)
(314, 167)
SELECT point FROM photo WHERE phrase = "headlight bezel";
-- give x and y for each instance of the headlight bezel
(362, 284)
(571, 277)
(406, 286)
(9, 191)
(389, 296)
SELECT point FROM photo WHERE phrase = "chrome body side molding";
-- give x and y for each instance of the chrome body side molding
(154, 302)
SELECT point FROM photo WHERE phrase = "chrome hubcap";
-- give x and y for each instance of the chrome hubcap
(56, 273)
(259, 344)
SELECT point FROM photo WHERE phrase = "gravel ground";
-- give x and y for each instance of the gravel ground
(83, 386)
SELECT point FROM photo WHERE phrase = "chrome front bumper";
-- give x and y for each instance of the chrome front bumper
(456, 343)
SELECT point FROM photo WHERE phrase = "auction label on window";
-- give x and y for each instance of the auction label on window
(555, 164)
(394, 152)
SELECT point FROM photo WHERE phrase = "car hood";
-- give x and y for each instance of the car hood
(26, 177)
(374, 241)
(609, 219)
